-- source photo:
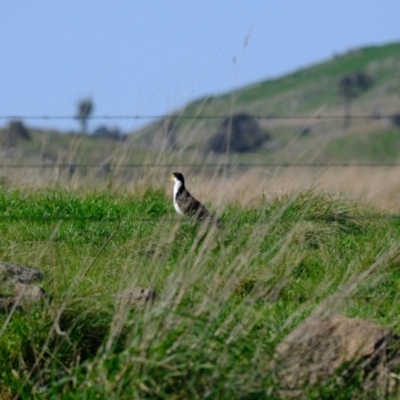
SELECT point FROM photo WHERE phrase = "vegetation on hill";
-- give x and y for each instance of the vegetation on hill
(311, 91)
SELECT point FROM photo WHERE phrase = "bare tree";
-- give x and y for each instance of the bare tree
(85, 109)
(351, 86)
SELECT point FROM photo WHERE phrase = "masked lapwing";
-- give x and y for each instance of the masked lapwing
(186, 204)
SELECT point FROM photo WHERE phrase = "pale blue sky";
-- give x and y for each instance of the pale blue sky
(151, 57)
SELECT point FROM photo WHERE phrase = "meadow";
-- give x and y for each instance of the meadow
(303, 236)
(224, 300)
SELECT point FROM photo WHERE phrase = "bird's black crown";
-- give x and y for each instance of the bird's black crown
(179, 176)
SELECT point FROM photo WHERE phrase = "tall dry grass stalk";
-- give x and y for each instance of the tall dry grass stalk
(375, 186)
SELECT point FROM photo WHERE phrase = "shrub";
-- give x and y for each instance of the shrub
(15, 132)
(239, 133)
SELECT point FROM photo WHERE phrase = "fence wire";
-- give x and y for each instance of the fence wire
(75, 166)
(199, 165)
(198, 117)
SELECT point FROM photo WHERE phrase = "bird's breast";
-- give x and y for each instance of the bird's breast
(178, 210)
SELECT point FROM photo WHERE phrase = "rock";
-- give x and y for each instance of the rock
(136, 296)
(23, 296)
(28, 294)
(318, 349)
(19, 279)
(15, 273)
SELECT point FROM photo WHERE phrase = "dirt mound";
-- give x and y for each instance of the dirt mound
(334, 351)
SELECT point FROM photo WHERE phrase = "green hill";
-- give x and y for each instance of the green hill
(309, 91)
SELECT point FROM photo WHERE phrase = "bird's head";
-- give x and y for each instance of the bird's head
(177, 177)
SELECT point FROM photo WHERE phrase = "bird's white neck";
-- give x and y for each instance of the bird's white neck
(177, 186)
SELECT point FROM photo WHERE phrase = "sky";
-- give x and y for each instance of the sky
(151, 57)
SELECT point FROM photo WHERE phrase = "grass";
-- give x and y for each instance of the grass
(349, 62)
(224, 299)
(380, 145)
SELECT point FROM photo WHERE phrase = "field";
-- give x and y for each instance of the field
(308, 232)
(224, 300)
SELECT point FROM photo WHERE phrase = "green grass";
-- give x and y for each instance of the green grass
(309, 91)
(376, 146)
(224, 299)
(316, 76)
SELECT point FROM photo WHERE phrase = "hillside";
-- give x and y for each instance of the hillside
(310, 91)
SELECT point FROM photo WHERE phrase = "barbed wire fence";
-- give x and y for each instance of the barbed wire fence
(371, 117)
(376, 116)
(203, 165)
(166, 219)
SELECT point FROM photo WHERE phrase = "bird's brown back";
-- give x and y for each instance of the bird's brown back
(191, 206)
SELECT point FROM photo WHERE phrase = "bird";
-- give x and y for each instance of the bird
(186, 204)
